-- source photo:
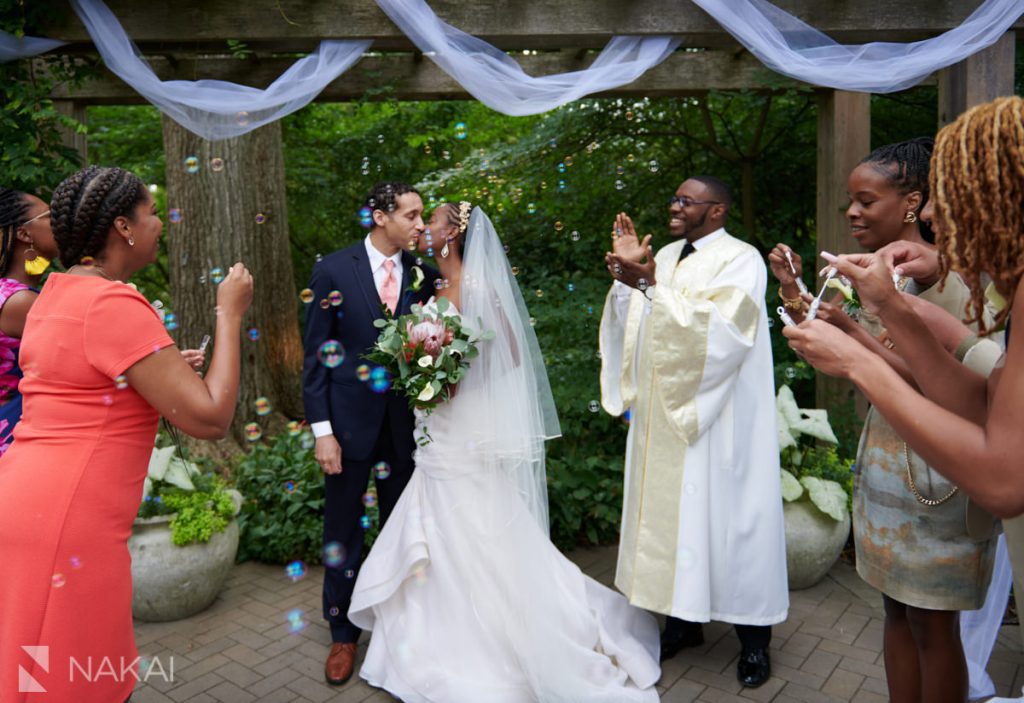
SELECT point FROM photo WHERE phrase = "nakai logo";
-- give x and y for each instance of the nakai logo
(41, 656)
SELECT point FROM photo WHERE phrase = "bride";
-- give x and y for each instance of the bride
(467, 598)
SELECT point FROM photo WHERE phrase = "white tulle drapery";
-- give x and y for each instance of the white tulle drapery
(12, 47)
(216, 109)
(498, 81)
(784, 43)
(792, 47)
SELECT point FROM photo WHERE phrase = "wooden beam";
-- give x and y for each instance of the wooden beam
(844, 138)
(404, 77)
(978, 79)
(298, 25)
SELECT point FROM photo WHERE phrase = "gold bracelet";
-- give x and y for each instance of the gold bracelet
(795, 304)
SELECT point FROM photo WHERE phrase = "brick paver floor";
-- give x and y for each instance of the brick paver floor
(263, 640)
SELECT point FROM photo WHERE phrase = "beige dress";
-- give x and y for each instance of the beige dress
(914, 553)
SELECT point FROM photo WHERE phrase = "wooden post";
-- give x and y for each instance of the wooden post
(844, 138)
(77, 141)
(977, 79)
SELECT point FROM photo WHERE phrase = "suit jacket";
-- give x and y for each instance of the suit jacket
(356, 413)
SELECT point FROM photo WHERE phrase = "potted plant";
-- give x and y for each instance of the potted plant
(184, 541)
(815, 491)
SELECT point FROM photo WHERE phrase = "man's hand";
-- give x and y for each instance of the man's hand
(625, 243)
(328, 454)
(633, 272)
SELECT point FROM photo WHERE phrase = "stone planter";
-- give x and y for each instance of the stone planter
(813, 542)
(171, 582)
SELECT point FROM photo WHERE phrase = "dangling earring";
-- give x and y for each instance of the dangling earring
(444, 249)
(131, 240)
(35, 264)
(910, 217)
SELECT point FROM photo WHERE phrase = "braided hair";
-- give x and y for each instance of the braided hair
(905, 166)
(458, 217)
(14, 207)
(85, 206)
(978, 181)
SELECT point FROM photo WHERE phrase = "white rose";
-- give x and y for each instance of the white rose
(426, 362)
(426, 394)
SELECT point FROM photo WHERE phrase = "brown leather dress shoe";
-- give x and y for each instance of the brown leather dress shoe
(340, 663)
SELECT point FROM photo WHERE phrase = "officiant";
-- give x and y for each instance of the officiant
(685, 344)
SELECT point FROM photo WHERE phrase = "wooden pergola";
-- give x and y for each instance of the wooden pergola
(187, 39)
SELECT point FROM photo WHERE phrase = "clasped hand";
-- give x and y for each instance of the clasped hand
(630, 259)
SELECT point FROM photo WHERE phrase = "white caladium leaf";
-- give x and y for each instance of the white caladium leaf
(815, 424)
(828, 496)
(786, 438)
(791, 488)
(159, 460)
(180, 474)
(785, 403)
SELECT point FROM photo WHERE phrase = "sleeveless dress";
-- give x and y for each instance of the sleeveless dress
(469, 600)
(10, 371)
(70, 487)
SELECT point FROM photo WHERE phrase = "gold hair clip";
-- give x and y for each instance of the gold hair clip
(464, 208)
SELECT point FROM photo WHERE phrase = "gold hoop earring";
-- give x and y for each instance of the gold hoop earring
(910, 217)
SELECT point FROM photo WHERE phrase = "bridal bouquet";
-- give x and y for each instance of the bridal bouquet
(426, 354)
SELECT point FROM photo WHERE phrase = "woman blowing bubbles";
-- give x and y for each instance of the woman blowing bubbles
(964, 425)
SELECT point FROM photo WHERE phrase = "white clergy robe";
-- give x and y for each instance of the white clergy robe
(702, 529)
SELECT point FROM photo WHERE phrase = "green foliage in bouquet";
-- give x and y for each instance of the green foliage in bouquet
(282, 516)
(818, 471)
(426, 355)
(199, 502)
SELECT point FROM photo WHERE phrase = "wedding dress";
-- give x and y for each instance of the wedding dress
(467, 598)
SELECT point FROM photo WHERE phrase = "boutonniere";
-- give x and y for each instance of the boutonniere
(417, 278)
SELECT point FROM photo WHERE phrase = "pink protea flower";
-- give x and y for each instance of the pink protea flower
(429, 333)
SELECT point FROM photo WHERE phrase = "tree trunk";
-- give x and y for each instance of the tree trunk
(232, 208)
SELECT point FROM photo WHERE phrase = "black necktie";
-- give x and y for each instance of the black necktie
(687, 250)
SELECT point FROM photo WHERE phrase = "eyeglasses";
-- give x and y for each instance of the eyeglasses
(687, 202)
(37, 217)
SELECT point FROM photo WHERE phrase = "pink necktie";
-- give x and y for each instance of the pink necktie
(389, 291)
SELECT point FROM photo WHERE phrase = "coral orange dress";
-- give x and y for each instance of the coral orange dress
(70, 487)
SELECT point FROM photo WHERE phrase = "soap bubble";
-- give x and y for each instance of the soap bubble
(253, 432)
(331, 353)
(174, 215)
(191, 164)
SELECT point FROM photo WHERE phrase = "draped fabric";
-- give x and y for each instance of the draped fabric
(784, 43)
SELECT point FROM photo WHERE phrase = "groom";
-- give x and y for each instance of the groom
(356, 427)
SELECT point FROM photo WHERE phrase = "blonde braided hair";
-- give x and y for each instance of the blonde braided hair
(977, 180)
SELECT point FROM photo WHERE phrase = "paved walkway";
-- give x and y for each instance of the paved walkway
(263, 640)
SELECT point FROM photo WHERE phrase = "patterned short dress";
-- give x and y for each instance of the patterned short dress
(917, 554)
(10, 372)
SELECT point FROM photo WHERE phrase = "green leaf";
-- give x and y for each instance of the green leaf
(829, 496)
(791, 488)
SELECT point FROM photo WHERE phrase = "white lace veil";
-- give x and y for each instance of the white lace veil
(504, 407)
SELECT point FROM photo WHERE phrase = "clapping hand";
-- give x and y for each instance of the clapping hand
(631, 260)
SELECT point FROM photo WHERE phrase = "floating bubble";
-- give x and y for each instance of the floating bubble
(253, 432)
(191, 164)
(381, 470)
(331, 353)
(363, 372)
(790, 373)
(438, 284)
(629, 114)
(771, 322)
(296, 621)
(254, 334)
(533, 321)
(531, 208)
(306, 296)
(593, 406)
(574, 236)
(289, 486)
(351, 573)
(365, 522)
(217, 164)
(430, 252)
(561, 185)
(380, 384)
(366, 217)
(653, 165)
(307, 440)
(121, 382)
(515, 270)
(620, 170)
(334, 298)
(334, 554)
(446, 155)
(568, 160)
(629, 158)
(571, 287)
(58, 580)
(107, 400)
(540, 293)
(76, 563)
(260, 218)
(561, 167)
(296, 571)
(590, 309)
(242, 118)
(171, 321)
(460, 130)
(558, 226)
(294, 428)
(174, 215)
(325, 303)
(262, 406)
(216, 274)
(334, 611)
(619, 185)
(642, 285)
(426, 149)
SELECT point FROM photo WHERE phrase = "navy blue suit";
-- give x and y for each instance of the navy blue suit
(370, 427)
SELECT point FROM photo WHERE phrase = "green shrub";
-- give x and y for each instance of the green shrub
(282, 516)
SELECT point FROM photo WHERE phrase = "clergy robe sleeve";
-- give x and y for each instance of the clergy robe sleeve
(612, 341)
(700, 339)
